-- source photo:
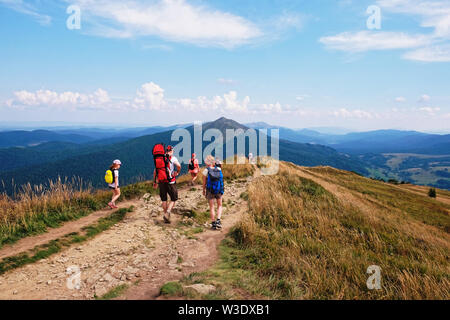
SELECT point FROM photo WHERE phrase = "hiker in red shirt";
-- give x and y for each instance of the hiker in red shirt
(194, 168)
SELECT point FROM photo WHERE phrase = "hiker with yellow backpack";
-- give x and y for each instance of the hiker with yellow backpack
(112, 179)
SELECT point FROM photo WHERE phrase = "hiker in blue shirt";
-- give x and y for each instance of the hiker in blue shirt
(213, 189)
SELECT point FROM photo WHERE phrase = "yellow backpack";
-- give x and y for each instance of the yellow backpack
(109, 176)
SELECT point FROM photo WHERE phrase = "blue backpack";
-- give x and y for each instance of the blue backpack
(214, 182)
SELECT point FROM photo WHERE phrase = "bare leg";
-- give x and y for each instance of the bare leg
(211, 209)
(116, 195)
(170, 207)
(219, 208)
(164, 206)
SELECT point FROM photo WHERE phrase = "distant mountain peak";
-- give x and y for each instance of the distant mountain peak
(224, 123)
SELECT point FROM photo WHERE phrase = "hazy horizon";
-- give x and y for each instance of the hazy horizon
(62, 125)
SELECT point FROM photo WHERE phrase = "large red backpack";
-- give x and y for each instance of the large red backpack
(162, 163)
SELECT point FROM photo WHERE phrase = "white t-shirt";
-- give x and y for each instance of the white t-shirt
(115, 174)
(173, 162)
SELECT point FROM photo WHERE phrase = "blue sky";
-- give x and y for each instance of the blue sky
(292, 63)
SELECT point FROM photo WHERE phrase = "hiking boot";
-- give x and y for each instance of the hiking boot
(166, 220)
(213, 225)
(218, 224)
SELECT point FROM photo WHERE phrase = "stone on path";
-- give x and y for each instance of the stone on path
(201, 288)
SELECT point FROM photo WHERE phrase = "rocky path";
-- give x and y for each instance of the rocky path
(29, 243)
(140, 252)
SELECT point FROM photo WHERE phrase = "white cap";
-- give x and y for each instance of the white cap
(117, 162)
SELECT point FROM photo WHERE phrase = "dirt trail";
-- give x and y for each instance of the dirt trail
(29, 243)
(340, 192)
(140, 252)
(423, 191)
(368, 205)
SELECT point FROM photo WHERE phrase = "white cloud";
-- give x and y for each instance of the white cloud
(366, 40)
(426, 47)
(357, 113)
(400, 99)
(28, 9)
(227, 103)
(149, 96)
(424, 98)
(233, 105)
(430, 54)
(270, 108)
(201, 104)
(172, 20)
(430, 110)
(48, 98)
(434, 14)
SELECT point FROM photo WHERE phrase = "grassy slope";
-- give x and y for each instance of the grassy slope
(423, 209)
(299, 241)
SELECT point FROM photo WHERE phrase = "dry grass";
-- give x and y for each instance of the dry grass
(421, 208)
(304, 243)
(35, 208)
(237, 171)
(230, 172)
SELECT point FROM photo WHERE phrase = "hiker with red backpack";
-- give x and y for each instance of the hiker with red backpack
(112, 178)
(194, 168)
(165, 175)
(213, 189)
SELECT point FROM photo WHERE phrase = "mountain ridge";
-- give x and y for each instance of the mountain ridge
(138, 164)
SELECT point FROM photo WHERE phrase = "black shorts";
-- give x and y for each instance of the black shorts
(171, 189)
(211, 196)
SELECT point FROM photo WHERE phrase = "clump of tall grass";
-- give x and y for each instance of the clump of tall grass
(237, 168)
(231, 171)
(304, 243)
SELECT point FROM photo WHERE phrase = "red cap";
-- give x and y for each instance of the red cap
(193, 155)
(169, 148)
